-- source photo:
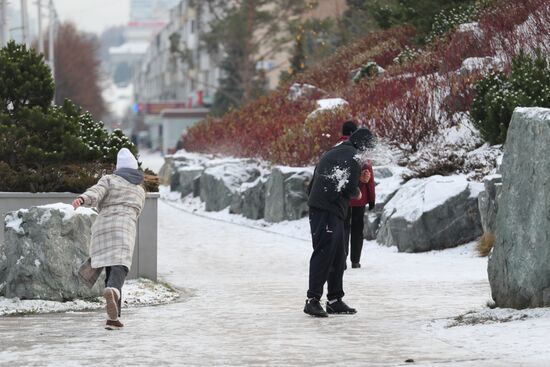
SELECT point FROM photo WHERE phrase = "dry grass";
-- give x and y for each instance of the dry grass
(485, 244)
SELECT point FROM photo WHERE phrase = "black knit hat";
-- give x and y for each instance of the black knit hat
(348, 128)
(363, 139)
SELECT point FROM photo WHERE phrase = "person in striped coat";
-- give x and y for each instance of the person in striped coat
(119, 197)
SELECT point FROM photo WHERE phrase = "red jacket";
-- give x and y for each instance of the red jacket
(368, 193)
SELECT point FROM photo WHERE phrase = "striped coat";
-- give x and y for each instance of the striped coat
(114, 231)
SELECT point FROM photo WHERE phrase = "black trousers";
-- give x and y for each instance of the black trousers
(114, 278)
(329, 256)
(354, 225)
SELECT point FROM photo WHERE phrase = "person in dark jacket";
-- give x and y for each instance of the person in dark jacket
(356, 213)
(335, 181)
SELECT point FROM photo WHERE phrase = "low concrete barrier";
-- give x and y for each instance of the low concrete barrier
(144, 262)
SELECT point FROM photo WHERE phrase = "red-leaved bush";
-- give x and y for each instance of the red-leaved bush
(406, 105)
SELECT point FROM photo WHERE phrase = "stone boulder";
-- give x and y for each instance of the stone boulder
(308, 92)
(253, 195)
(43, 250)
(519, 271)
(236, 206)
(488, 202)
(219, 183)
(186, 176)
(388, 180)
(286, 193)
(372, 225)
(430, 214)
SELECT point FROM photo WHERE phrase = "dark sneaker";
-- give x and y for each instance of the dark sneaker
(313, 307)
(339, 307)
(113, 325)
(355, 265)
(111, 303)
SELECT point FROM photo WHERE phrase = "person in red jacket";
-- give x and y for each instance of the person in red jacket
(354, 222)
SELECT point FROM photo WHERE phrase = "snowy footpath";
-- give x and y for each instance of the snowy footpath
(243, 294)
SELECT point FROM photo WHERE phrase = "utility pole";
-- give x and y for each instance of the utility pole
(51, 28)
(4, 27)
(40, 34)
(25, 22)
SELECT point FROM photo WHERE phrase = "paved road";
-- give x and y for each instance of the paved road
(242, 305)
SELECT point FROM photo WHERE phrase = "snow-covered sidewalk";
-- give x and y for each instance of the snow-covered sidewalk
(242, 305)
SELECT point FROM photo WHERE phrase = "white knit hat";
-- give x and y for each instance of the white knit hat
(125, 159)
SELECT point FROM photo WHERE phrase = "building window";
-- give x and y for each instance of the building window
(192, 26)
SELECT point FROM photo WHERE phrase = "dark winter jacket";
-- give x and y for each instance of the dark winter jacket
(335, 180)
(368, 194)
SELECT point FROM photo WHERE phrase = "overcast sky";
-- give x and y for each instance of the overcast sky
(88, 15)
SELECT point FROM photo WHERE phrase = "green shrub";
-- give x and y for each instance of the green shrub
(25, 79)
(44, 147)
(497, 95)
(448, 19)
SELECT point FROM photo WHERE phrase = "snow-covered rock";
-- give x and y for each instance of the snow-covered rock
(388, 180)
(327, 105)
(43, 250)
(286, 193)
(168, 173)
(488, 202)
(220, 182)
(487, 63)
(183, 179)
(434, 213)
(304, 91)
(519, 273)
(472, 27)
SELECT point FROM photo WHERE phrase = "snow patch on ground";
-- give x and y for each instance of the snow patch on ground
(136, 292)
(493, 316)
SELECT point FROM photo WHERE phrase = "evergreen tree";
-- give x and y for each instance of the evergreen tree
(25, 79)
(40, 143)
(418, 13)
(497, 95)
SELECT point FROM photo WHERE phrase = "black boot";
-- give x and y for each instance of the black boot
(339, 307)
(313, 307)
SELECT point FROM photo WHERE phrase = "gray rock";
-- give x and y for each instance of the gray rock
(3, 269)
(488, 202)
(186, 176)
(381, 172)
(430, 214)
(296, 195)
(253, 195)
(197, 187)
(219, 183)
(372, 225)
(298, 92)
(166, 172)
(236, 206)
(286, 193)
(43, 250)
(518, 268)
